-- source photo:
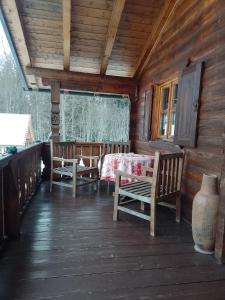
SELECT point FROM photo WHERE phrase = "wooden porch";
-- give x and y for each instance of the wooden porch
(167, 57)
(72, 249)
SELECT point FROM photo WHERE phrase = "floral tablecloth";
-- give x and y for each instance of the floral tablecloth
(127, 162)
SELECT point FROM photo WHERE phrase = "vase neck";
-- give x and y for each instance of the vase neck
(209, 184)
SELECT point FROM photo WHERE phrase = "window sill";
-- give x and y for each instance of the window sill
(170, 140)
(164, 145)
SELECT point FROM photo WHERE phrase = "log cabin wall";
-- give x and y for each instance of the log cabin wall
(196, 31)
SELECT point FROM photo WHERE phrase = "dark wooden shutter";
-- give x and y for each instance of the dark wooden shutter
(189, 86)
(147, 114)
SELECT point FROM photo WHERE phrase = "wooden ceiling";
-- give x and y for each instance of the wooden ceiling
(105, 37)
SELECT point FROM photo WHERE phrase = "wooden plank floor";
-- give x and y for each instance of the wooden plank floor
(73, 250)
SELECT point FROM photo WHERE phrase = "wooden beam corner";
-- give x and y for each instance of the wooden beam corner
(111, 35)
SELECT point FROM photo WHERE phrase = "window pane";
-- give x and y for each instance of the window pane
(164, 109)
(163, 125)
(173, 113)
(175, 95)
(165, 98)
(172, 123)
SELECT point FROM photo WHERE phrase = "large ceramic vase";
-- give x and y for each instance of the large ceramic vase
(204, 215)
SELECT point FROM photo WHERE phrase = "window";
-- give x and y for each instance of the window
(94, 118)
(168, 101)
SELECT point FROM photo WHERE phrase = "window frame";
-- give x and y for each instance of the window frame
(169, 84)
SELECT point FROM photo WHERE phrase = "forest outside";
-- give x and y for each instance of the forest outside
(94, 118)
(83, 117)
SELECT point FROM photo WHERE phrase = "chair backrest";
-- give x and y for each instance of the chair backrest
(116, 147)
(88, 149)
(167, 174)
(62, 149)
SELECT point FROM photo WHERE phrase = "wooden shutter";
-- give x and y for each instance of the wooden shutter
(187, 106)
(147, 114)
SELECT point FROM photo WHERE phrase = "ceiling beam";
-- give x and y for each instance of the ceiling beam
(84, 81)
(92, 87)
(66, 33)
(111, 34)
(155, 36)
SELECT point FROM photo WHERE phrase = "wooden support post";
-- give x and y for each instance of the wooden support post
(220, 231)
(55, 111)
(11, 201)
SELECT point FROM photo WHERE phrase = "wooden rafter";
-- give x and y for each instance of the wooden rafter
(111, 35)
(66, 33)
(155, 36)
(18, 37)
(19, 40)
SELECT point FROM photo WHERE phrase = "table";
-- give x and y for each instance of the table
(130, 163)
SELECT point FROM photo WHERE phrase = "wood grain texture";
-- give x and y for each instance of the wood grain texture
(74, 250)
(105, 36)
(199, 37)
(85, 82)
(155, 35)
(188, 105)
(220, 229)
(20, 177)
(137, 22)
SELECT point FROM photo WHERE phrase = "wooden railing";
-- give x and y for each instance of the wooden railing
(20, 175)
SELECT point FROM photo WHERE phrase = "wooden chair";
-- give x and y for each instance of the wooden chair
(64, 162)
(113, 147)
(163, 185)
(116, 147)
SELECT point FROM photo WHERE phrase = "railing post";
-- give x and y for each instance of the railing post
(46, 161)
(11, 201)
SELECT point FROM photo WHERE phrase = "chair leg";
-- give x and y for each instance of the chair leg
(96, 183)
(116, 198)
(74, 179)
(153, 217)
(107, 187)
(116, 202)
(178, 208)
(51, 179)
(142, 206)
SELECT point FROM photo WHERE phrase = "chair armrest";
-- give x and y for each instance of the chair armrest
(70, 160)
(139, 178)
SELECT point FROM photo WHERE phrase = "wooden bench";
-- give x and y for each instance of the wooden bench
(65, 162)
(162, 184)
